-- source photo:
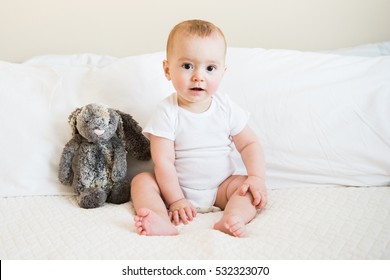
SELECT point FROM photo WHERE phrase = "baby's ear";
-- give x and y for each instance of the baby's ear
(130, 133)
(73, 121)
(166, 70)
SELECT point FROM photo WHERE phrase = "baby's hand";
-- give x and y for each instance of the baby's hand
(257, 189)
(181, 210)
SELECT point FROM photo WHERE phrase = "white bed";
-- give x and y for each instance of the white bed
(323, 119)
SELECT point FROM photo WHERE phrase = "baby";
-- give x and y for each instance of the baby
(191, 135)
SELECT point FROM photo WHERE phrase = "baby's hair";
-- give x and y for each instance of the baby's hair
(196, 27)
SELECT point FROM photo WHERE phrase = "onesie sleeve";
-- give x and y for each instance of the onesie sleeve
(238, 117)
(162, 123)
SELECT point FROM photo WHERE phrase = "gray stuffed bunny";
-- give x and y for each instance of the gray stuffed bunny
(94, 160)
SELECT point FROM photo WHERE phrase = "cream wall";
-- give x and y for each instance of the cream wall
(127, 27)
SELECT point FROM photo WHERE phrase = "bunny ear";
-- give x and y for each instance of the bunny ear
(130, 133)
(73, 121)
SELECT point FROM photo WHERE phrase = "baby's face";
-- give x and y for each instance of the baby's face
(196, 66)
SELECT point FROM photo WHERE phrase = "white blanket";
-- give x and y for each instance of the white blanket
(310, 223)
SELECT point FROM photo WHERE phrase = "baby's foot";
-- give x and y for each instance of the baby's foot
(232, 225)
(148, 222)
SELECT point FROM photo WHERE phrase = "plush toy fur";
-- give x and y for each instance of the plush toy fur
(94, 160)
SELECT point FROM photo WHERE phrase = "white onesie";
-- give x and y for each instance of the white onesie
(203, 143)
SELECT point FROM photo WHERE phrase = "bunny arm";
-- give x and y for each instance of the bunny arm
(65, 172)
(119, 167)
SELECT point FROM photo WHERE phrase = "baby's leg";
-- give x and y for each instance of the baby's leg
(152, 216)
(238, 210)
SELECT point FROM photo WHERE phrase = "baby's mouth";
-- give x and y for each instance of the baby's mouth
(197, 89)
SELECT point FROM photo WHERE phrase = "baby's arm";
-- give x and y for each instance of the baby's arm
(252, 155)
(163, 155)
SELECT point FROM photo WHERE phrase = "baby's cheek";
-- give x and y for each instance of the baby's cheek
(179, 85)
(213, 85)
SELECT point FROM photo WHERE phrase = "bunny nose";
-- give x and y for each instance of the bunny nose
(98, 131)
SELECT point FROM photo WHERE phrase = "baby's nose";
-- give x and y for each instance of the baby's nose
(197, 78)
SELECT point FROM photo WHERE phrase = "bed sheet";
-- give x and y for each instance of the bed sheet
(307, 223)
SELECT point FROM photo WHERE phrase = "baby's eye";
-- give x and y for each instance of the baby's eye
(211, 68)
(187, 66)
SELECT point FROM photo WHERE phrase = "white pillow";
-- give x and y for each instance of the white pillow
(323, 119)
(84, 59)
(377, 49)
(37, 97)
